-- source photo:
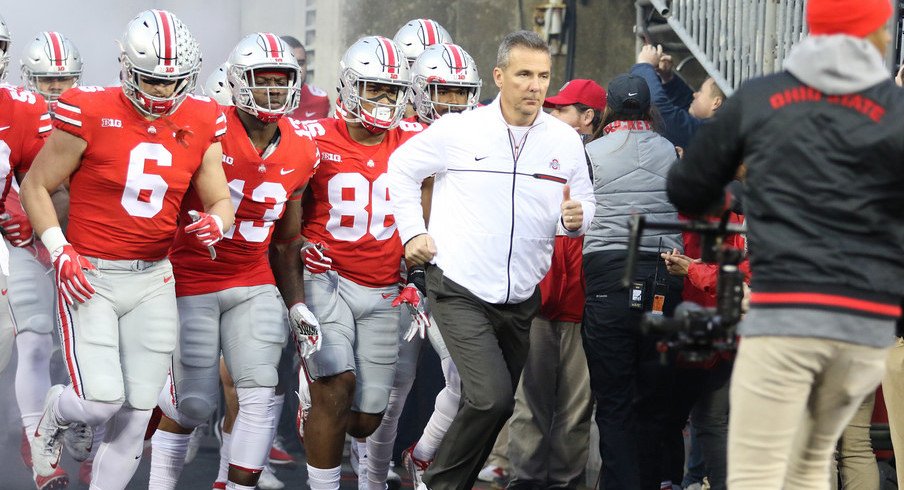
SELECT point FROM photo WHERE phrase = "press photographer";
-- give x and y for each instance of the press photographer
(823, 195)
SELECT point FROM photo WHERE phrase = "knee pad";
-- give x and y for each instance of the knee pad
(188, 411)
(193, 411)
(98, 413)
(33, 347)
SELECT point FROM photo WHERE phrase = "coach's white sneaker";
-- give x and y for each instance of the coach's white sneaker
(47, 442)
(78, 440)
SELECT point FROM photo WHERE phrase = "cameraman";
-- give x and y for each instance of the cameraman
(824, 191)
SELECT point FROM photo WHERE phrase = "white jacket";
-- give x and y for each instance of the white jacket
(493, 217)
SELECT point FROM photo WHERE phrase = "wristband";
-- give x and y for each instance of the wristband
(53, 238)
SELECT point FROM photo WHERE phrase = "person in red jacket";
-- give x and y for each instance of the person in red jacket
(703, 391)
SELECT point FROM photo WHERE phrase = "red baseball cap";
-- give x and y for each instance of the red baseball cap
(579, 90)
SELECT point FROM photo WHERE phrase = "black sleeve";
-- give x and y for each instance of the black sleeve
(696, 183)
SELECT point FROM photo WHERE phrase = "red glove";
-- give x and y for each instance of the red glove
(17, 229)
(70, 275)
(207, 227)
(414, 297)
(314, 259)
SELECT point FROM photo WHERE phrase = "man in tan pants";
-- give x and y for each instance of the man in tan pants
(825, 245)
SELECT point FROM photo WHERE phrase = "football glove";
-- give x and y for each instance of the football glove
(208, 228)
(70, 274)
(314, 259)
(17, 229)
(414, 296)
(306, 329)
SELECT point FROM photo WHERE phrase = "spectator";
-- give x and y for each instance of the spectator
(552, 403)
(579, 104)
(631, 387)
(823, 187)
(505, 174)
(680, 120)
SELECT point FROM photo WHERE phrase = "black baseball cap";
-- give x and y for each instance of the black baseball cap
(628, 94)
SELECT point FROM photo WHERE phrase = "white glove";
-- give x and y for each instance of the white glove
(306, 329)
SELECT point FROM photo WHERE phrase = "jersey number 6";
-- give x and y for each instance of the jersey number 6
(143, 195)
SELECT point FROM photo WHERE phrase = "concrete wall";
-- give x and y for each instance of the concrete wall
(605, 43)
(605, 40)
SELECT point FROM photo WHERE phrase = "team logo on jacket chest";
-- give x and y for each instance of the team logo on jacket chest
(554, 164)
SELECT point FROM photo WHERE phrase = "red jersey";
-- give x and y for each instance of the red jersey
(312, 104)
(125, 195)
(347, 207)
(259, 188)
(24, 125)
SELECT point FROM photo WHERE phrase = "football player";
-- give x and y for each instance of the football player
(314, 102)
(352, 275)
(217, 86)
(130, 153)
(25, 125)
(417, 34)
(238, 306)
(50, 65)
(444, 79)
(413, 38)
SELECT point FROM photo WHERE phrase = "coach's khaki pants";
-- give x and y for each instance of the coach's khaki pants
(893, 391)
(790, 400)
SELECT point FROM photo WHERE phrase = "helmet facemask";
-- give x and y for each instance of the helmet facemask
(147, 103)
(384, 112)
(279, 100)
(4, 57)
(427, 99)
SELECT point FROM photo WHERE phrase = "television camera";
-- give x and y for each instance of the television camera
(693, 330)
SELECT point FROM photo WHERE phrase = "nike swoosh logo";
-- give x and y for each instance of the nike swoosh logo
(632, 95)
(309, 114)
(5, 128)
(167, 279)
(284, 171)
(477, 159)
